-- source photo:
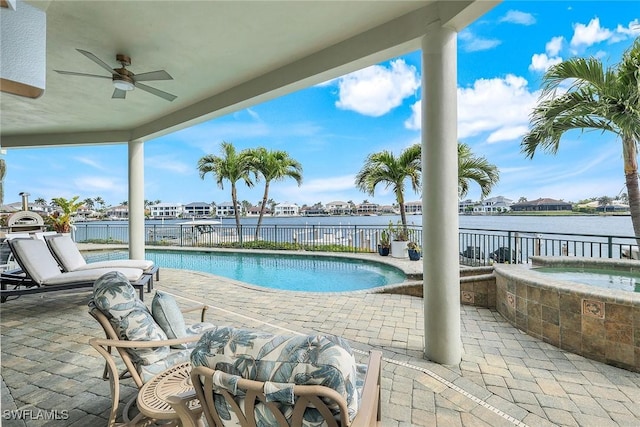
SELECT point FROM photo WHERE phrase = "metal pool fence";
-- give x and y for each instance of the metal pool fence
(477, 246)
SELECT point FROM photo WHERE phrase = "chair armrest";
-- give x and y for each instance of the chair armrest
(201, 307)
(105, 342)
(369, 410)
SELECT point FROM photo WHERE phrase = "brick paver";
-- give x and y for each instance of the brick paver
(506, 377)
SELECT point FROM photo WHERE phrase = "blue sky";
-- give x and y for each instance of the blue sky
(331, 128)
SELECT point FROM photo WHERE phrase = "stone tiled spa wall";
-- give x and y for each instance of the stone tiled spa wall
(600, 324)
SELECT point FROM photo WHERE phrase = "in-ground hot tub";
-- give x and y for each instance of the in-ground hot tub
(599, 323)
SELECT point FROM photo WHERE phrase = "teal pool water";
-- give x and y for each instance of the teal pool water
(611, 279)
(278, 271)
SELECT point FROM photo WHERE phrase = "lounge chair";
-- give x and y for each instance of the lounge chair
(164, 341)
(66, 252)
(39, 272)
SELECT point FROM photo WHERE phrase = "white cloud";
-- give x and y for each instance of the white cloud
(589, 34)
(508, 133)
(91, 184)
(633, 29)
(541, 62)
(554, 46)
(414, 121)
(498, 106)
(518, 17)
(544, 61)
(471, 43)
(90, 162)
(170, 164)
(376, 90)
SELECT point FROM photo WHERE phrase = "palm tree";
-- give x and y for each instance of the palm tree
(604, 201)
(100, 201)
(477, 169)
(231, 166)
(272, 205)
(89, 203)
(40, 201)
(275, 165)
(385, 168)
(600, 99)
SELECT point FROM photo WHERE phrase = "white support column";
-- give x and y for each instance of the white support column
(441, 262)
(136, 199)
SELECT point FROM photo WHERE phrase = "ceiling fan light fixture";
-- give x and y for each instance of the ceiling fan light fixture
(123, 84)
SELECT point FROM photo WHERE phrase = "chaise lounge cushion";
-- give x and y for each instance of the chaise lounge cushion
(281, 362)
(71, 259)
(131, 319)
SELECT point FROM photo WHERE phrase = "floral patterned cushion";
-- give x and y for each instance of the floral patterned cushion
(281, 361)
(131, 319)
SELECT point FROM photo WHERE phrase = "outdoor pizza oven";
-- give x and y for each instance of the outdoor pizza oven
(25, 221)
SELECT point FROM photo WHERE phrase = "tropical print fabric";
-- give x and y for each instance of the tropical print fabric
(281, 361)
(167, 314)
(131, 319)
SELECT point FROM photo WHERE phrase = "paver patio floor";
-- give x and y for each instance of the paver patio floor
(506, 377)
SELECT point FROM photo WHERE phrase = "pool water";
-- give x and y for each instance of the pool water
(288, 272)
(611, 279)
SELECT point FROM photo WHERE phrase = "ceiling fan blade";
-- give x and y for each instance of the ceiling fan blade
(73, 73)
(152, 75)
(156, 92)
(97, 60)
(119, 94)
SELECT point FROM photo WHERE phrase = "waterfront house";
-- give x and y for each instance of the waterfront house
(116, 212)
(197, 210)
(165, 210)
(368, 209)
(413, 208)
(541, 205)
(226, 209)
(339, 208)
(287, 209)
(494, 205)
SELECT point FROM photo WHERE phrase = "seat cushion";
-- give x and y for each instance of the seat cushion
(301, 360)
(131, 319)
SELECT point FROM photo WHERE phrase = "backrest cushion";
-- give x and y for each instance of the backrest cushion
(301, 360)
(35, 259)
(130, 318)
(66, 251)
(167, 314)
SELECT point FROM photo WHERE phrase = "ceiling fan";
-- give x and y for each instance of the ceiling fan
(123, 79)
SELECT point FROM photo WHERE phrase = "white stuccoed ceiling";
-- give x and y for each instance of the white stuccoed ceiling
(222, 55)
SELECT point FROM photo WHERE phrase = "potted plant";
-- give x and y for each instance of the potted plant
(60, 220)
(414, 251)
(399, 238)
(384, 246)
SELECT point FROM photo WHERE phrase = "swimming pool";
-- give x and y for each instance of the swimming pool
(277, 271)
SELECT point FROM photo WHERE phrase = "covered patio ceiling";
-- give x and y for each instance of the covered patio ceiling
(223, 56)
